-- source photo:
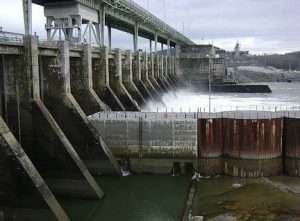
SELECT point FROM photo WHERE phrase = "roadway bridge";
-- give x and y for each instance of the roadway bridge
(49, 88)
(77, 20)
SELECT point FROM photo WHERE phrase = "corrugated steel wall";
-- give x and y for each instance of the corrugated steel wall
(252, 147)
(292, 146)
(210, 144)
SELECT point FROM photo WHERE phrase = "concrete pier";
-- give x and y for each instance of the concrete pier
(152, 74)
(35, 128)
(17, 168)
(116, 82)
(127, 77)
(71, 117)
(145, 76)
(81, 79)
(158, 70)
(101, 81)
(164, 75)
(137, 76)
(170, 73)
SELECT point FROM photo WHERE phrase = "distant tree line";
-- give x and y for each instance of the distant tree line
(280, 61)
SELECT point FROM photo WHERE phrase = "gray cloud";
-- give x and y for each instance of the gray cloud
(259, 25)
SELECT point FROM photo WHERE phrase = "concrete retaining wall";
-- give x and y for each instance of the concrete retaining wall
(133, 135)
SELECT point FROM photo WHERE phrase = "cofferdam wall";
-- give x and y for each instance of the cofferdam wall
(152, 142)
(242, 144)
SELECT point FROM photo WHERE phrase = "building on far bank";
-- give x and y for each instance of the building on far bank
(193, 64)
(237, 57)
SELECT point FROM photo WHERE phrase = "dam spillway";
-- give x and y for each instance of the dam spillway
(47, 92)
(70, 111)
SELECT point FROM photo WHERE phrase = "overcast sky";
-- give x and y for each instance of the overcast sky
(259, 25)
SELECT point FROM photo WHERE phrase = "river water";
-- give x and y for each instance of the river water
(284, 96)
(133, 198)
(155, 198)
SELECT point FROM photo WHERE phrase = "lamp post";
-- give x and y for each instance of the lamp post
(164, 1)
(182, 25)
(210, 56)
(175, 16)
(209, 82)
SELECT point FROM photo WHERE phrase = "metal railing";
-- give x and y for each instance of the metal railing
(46, 43)
(218, 109)
(129, 6)
(156, 20)
(255, 115)
(11, 37)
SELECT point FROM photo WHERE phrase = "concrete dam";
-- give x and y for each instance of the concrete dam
(70, 110)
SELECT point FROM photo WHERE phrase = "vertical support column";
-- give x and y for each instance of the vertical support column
(150, 45)
(172, 65)
(90, 32)
(136, 37)
(27, 10)
(151, 71)
(162, 47)
(177, 59)
(98, 32)
(145, 67)
(87, 65)
(102, 25)
(32, 64)
(109, 38)
(157, 74)
(155, 40)
(129, 65)
(118, 61)
(65, 65)
(162, 72)
(138, 73)
(49, 21)
(106, 65)
(127, 73)
(169, 49)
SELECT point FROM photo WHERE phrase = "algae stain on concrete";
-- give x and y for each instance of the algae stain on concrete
(134, 198)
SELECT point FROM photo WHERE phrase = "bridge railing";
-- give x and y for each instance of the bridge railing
(218, 109)
(11, 37)
(46, 43)
(156, 20)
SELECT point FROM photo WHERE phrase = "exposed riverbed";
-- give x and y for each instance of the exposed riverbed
(256, 199)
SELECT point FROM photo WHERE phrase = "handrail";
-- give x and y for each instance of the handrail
(11, 37)
(148, 17)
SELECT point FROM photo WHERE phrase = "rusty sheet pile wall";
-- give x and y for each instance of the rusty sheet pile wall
(244, 144)
(292, 145)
